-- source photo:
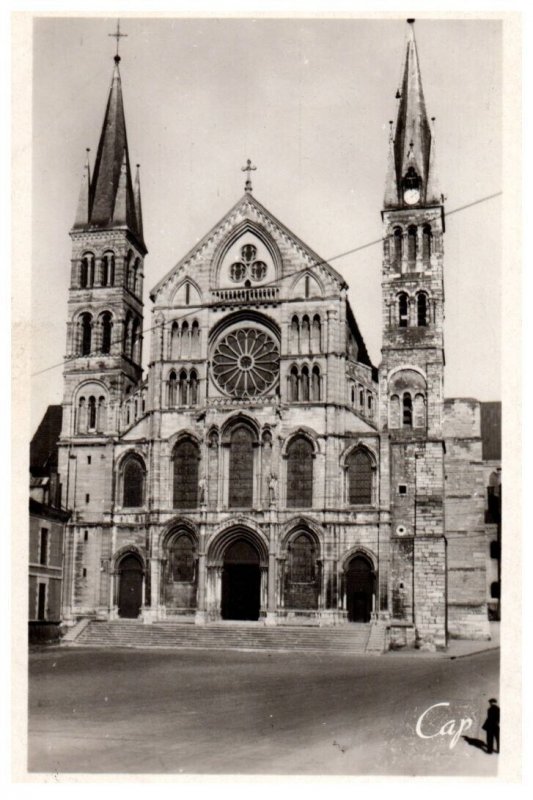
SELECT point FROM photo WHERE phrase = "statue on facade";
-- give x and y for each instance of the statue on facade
(202, 491)
(273, 489)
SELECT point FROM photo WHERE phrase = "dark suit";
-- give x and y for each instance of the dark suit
(492, 728)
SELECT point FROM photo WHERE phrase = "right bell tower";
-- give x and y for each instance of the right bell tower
(412, 367)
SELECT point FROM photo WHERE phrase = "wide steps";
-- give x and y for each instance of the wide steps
(349, 639)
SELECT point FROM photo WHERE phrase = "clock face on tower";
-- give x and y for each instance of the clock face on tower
(411, 196)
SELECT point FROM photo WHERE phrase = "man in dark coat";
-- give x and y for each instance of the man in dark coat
(491, 726)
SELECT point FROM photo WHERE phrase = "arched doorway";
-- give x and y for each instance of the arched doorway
(360, 588)
(130, 586)
(241, 581)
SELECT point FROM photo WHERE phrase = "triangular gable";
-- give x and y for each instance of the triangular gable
(270, 220)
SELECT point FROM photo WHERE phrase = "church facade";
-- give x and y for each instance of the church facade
(264, 469)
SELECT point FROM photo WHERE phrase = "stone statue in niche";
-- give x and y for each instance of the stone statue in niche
(213, 439)
(267, 439)
(273, 489)
(202, 490)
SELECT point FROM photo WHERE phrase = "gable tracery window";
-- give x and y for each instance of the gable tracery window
(248, 267)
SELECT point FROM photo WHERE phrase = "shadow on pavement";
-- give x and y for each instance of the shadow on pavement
(475, 743)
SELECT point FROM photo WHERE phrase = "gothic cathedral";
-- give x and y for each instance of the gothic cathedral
(264, 469)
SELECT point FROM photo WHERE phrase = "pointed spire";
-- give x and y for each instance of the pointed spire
(137, 201)
(391, 184)
(412, 136)
(433, 194)
(83, 210)
(120, 209)
(111, 193)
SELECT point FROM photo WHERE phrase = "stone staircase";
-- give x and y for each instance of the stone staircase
(351, 639)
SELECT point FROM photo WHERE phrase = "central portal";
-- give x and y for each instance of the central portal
(241, 581)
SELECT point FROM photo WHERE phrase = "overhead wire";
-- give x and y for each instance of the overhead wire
(320, 262)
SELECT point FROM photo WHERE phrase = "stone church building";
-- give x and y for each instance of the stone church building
(264, 469)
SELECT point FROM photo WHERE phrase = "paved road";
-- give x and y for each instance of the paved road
(224, 712)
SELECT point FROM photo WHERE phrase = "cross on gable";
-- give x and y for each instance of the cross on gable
(248, 169)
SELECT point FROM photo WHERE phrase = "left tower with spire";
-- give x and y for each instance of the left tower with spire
(105, 308)
(105, 311)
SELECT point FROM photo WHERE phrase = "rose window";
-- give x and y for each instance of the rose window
(248, 266)
(246, 362)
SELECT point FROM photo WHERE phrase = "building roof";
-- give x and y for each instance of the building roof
(491, 431)
(43, 446)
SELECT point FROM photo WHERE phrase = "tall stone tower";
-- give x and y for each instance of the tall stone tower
(411, 373)
(104, 324)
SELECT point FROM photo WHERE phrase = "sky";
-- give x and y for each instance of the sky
(308, 100)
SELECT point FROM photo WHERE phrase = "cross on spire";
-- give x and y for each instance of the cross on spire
(248, 168)
(118, 36)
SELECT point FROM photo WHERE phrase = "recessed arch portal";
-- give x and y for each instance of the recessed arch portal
(360, 580)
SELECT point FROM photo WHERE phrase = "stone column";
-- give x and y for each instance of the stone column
(271, 603)
(200, 616)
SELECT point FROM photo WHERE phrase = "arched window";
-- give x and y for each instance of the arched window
(293, 385)
(84, 272)
(106, 322)
(306, 286)
(172, 387)
(361, 398)
(87, 271)
(306, 334)
(411, 245)
(195, 339)
(193, 388)
(422, 309)
(137, 277)
(315, 383)
(370, 404)
(419, 411)
(359, 469)
(300, 473)
(316, 335)
(108, 269)
(304, 384)
(91, 414)
(127, 335)
(130, 261)
(187, 294)
(186, 459)
(101, 420)
(182, 559)
(398, 247)
(241, 468)
(427, 243)
(295, 335)
(302, 560)
(183, 388)
(136, 341)
(394, 414)
(86, 324)
(407, 406)
(82, 416)
(132, 484)
(175, 341)
(403, 310)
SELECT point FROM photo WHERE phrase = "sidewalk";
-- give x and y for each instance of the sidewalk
(457, 648)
